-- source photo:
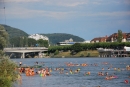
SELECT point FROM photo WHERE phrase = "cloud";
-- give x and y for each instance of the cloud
(67, 3)
(110, 14)
(29, 13)
(26, 10)
(18, 1)
(126, 1)
(120, 13)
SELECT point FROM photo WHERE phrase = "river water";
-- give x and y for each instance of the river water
(95, 65)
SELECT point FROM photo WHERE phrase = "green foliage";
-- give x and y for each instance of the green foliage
(31, 42)
(27, 42)
(81, 55)
(56, 52)
(14, 32)
(77, 47)
(1, 54)
(19, 42)
(88, 46)
(8, 73)
(60, 37)
(3, 37)
(42, 43)
(119, 38)
(88, 55)
(52, 49)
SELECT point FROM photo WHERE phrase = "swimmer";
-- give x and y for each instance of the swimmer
(126, 81)
(71, 72)
(88, 73)
(108, 68)
(66, 73)
(106, 73)
(115, 68)
(102, 68)
(118, 69)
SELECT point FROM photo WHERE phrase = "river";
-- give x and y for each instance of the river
(95, 65)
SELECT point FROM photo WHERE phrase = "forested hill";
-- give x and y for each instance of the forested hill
(53, 38)
(61, 37)
(14, 32)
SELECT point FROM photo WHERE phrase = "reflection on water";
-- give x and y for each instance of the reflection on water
(78, 79)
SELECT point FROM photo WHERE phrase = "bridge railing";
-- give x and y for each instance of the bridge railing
(109, 50)
(26, 48)
(102, 50)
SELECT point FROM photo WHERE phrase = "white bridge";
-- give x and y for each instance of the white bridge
(24, 50)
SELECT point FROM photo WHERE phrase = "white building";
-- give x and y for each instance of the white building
(87, 41)
(38, 36)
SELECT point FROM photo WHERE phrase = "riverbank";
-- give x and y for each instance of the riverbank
(89, 53)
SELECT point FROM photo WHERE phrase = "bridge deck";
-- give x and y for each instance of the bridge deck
(24, 50)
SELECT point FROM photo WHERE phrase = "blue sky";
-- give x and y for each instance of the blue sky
(84, 18)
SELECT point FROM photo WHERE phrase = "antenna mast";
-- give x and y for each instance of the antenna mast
(4, 11)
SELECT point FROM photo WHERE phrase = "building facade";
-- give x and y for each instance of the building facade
(112, 38)
(38, 36)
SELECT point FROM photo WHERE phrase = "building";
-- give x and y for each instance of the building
(87, 41)
(70, 42)
(67, 42)
(112, 38)
(38, 36)
(99, 39)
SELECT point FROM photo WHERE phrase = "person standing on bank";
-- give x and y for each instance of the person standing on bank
(20, 64)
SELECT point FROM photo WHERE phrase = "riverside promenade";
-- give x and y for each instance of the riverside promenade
(114, 52)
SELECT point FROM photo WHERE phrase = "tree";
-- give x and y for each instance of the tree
(8, 74)
(56, 52)
(3, 40)
(119, 38)
(3, 37)
(42, 43)
(77, 47)
(31, 42)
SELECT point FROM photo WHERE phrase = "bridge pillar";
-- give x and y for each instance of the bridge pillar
(23, 55)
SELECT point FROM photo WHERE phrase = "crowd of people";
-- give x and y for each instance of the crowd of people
(74, 68)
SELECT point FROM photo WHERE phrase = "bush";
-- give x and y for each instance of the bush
(81, 55)
(88, 55)
(56, 52)
(8, 73)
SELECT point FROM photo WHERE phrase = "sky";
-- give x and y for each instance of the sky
(84, 18)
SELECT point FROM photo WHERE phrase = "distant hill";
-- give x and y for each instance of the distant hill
(61, 37)
(14, 32)
(53, 38)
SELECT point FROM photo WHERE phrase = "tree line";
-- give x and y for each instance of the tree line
(27, 42)
(89, 46)
(92, 46)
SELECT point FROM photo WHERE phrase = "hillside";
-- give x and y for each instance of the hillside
(53, 38)
(14, 32)
(60, 37)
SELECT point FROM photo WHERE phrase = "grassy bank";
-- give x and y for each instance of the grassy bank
(89, 53)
